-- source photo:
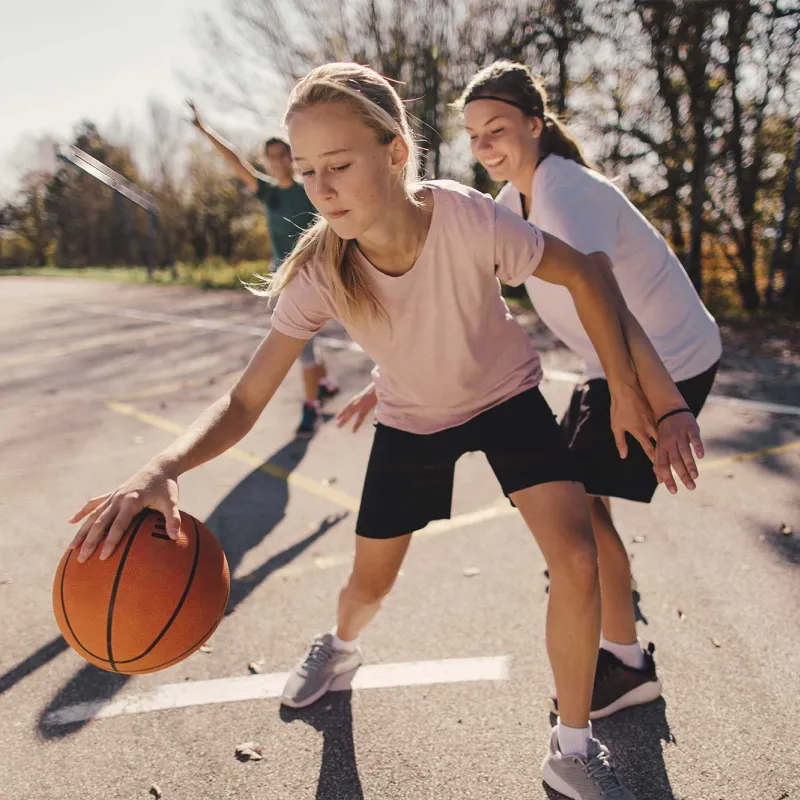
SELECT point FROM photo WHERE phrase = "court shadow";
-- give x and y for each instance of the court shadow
(332, 716)
(240, 522)
(44, 655)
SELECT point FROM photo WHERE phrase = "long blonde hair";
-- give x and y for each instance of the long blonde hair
(517, 83)
(374, 103)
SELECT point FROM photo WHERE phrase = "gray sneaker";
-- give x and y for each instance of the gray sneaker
(590, 778)
(312, 677)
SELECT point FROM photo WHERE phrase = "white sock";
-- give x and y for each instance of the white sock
(343, 645)
(574, 741)
(631, 655)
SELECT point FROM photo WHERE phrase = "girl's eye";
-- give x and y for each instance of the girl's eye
(473, 138)
(307, 173)
(499, 130)
(340, 169)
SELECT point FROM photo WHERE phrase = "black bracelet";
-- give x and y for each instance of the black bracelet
(671, 413)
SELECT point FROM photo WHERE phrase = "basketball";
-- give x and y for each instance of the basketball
(151, 604)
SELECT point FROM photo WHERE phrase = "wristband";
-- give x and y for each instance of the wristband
(673, 412)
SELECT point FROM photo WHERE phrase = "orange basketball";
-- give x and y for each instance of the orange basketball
(148, 606)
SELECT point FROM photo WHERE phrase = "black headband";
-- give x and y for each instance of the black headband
(536, 112)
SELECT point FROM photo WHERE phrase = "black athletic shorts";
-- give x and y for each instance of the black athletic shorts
(587, 425)
(409, 478)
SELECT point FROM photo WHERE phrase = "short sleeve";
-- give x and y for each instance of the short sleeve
(518, 246)
(301, 310)
(588, 222)
(264, 188)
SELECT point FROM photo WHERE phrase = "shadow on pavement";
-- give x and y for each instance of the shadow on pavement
(332, 716)
(240, 522)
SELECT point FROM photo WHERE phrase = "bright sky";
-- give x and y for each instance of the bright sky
(62, 61)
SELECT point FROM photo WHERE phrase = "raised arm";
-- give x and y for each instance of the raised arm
(239, 165)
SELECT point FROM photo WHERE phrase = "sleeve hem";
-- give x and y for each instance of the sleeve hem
(534, 262)
(295, 333)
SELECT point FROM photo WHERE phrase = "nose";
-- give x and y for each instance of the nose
(481, 145)
(324, 186)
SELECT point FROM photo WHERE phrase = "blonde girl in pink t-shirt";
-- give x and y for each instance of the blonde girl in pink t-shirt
(411, 269)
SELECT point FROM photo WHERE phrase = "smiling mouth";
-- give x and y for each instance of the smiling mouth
(494, 164)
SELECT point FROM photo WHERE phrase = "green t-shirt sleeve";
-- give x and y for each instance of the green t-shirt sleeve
(265, 188)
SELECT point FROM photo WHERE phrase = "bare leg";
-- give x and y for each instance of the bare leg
(312, 375)
(618, 616)
(558, 516)
(375, 568)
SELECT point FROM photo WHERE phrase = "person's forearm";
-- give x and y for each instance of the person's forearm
(232, 158)
(217, 429)
(602, 318)
(656, 382)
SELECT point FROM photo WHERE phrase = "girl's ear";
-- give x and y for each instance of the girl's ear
(398, 154)
(536, 126)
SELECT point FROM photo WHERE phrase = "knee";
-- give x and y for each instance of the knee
(368, 589)
(576, 562)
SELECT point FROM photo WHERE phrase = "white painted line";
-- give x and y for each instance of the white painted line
(346, 344)
(264, 687)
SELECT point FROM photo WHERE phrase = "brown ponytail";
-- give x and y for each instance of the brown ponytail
(516, 83)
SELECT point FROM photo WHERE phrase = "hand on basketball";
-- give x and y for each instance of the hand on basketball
(108, 516)
(677, 435)
(359, 406)
(631, 413)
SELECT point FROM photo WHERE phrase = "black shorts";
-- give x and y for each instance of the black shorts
(587, 425)
(409, 478)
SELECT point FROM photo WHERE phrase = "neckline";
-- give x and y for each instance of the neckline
(432, 233)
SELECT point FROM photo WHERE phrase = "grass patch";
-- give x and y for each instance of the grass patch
(212, 274)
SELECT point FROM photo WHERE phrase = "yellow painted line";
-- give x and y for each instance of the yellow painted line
(292, 478)
(177, 386)
(765, 451)
(79, 347)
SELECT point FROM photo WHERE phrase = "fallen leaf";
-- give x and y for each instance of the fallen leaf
(729, 474)
(256, 667)
(681, 615)
(785, 530)
(206, 648)
(155, 791)
(471, 572)
(639, 539)
(329, 481)
(716, 642)
(249, 751)
(138, 440)
(6, 581)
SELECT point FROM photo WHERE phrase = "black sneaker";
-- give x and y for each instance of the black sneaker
(309, 422)
(618, 686)
(326, 391)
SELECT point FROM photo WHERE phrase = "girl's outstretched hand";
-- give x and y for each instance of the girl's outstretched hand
(359, 406)
(108, 516)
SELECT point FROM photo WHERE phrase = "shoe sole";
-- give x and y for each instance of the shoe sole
(557, 783)
(323, 690)
(641, 695)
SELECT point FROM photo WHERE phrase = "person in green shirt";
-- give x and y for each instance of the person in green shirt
(289, 212)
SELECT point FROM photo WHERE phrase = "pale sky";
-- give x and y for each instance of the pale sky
(62, 61)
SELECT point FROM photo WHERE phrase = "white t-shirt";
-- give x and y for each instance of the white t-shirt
(588, 212)
(450, 348)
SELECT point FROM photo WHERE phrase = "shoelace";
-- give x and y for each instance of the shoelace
(318, 656)
(599, 769)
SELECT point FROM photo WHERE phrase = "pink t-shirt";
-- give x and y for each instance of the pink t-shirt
(451, 348)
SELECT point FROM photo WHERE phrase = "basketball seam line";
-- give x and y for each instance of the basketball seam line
(115, 587)
(180, 602)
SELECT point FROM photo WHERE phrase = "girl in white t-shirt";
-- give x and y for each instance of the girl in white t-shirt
(412, 271)
(550, 183)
